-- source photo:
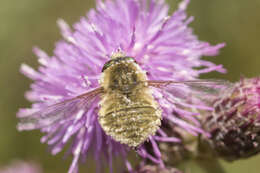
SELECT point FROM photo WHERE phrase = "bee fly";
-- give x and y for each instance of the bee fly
(128, 111)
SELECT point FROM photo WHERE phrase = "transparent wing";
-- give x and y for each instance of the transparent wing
(58, 112)
(185, 93)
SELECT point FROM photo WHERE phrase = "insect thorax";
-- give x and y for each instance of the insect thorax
(128, 110)
(122, 74)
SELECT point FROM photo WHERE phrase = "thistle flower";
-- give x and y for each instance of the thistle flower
(21, 167)
(164, 46)
(234, 124)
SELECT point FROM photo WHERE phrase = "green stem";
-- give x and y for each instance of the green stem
(207, 159)
(210, 165)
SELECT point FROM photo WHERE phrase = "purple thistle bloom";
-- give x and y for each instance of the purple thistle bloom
(21, 167)
(234, 124)
(164, 46)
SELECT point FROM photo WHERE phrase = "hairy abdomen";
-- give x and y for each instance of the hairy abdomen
(130, 119)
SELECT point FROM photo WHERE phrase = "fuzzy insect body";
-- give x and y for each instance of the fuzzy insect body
(128, 113)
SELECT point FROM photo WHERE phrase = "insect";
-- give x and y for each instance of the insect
(128, 111)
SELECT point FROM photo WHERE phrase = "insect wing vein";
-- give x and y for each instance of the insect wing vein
(185, 93)
(62, 111)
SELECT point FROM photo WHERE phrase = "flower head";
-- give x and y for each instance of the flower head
(21, 167)
(164, 46)
(234, 124)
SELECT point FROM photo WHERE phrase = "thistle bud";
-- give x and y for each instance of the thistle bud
(234, 124)
(155, 169)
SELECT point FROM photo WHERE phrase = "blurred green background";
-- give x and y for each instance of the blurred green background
(27, 23)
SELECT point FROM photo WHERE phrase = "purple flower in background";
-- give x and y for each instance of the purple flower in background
(234, 124)
(164, 46)
(21, 167)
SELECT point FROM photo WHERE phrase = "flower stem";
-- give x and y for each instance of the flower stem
(210, 165)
